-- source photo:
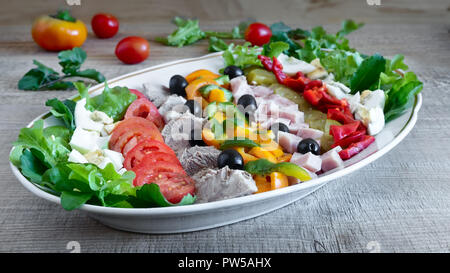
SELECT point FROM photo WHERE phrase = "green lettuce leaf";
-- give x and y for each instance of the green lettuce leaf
(242, 55)
(112, 101)
(368, 73)
(63, 110)
(149, 195)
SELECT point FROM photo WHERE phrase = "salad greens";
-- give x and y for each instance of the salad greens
(188, 32)
(45, 78)
(265, 167)
(112, 101)
(356, 70)
(42, 156)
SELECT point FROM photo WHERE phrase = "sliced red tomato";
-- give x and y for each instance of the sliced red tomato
(145, 109)
(173, 186)
(147, 170)
(147, 146)
(133, 127)
(137, 93)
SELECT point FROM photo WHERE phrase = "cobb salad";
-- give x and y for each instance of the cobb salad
(274, 116)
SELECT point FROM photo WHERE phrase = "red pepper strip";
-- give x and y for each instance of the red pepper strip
(312, 96)
(297, 82)
(357, 147)
(266, 62)
(337, 115)
(352, 138)
(341, 131)
(312, 84)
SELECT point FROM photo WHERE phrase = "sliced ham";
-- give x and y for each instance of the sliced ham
(240, 87)
(261, 91)
(288, 141)
(331, 159)
(295, 128)
(310, 133)
(308, 161)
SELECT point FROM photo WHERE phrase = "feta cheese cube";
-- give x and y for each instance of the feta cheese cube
(84, 141)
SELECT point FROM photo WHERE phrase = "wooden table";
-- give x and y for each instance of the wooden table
(400, 203)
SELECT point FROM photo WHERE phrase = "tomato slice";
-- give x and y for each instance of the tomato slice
(145, 109)
(133, 127)
(147, 170)
(173, 186)
(138, 93)
(147, 146)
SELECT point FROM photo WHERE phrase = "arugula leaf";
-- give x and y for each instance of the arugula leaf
(348, 26)
(216, 44)
(368, 73)
(149, 195)
(71, 200)
(31, 166)
(113, 101)
(50, 151)
(63, 110)
(45, 78)
(242, 55)
(399, 99)
(188, 32)
(273, 49)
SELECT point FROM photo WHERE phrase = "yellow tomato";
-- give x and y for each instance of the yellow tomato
(55, 34)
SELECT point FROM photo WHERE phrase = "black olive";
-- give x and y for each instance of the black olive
(248, 102)
(194, 107)
(308, 145)
(279, 127)
(230, 158)
(196, 140)
(233, 71)
(177, 85)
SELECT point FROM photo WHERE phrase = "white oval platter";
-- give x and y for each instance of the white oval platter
(214, 214)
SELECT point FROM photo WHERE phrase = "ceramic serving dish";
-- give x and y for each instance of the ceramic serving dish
(219, 213)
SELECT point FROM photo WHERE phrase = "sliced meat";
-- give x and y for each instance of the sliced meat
(177, 132)
(310, 133)
(195, 159)
(240, 87)
(288, 141)
(170, 103)
(219, 184)
(156, 93)
(331, 159)
(308, 161)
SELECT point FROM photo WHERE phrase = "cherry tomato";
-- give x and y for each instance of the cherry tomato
(145, 109)
(134, 127)
(143, 148)
(104, 25)
(138, 93)
(132, 50)
(58, 32)
(258, 34)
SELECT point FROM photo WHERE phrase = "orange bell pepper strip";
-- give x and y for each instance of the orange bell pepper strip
(262, 153)
(278, 181)
(192, 90)
(201, 74)
(217, 95)
(261, 183)
(285, 158)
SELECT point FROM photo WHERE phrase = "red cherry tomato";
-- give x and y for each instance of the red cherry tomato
(104, 25)
(258, 34)
(132, 50)
(137, 93)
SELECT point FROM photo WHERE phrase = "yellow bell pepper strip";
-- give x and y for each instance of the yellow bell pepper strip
(278, 181)
(247, 157)
(209, 138)
(275, 180)
(217, 95)
(285, 157)
(273, 147)
(262, 153)
(201, 74)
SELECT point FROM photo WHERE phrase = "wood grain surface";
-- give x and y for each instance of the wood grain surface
(400, 203)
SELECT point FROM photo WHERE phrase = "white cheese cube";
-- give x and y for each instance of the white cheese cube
(372, 118)
(83, 118)
(84, 141)
(293, 65)
(76, 157)
(115, 157)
